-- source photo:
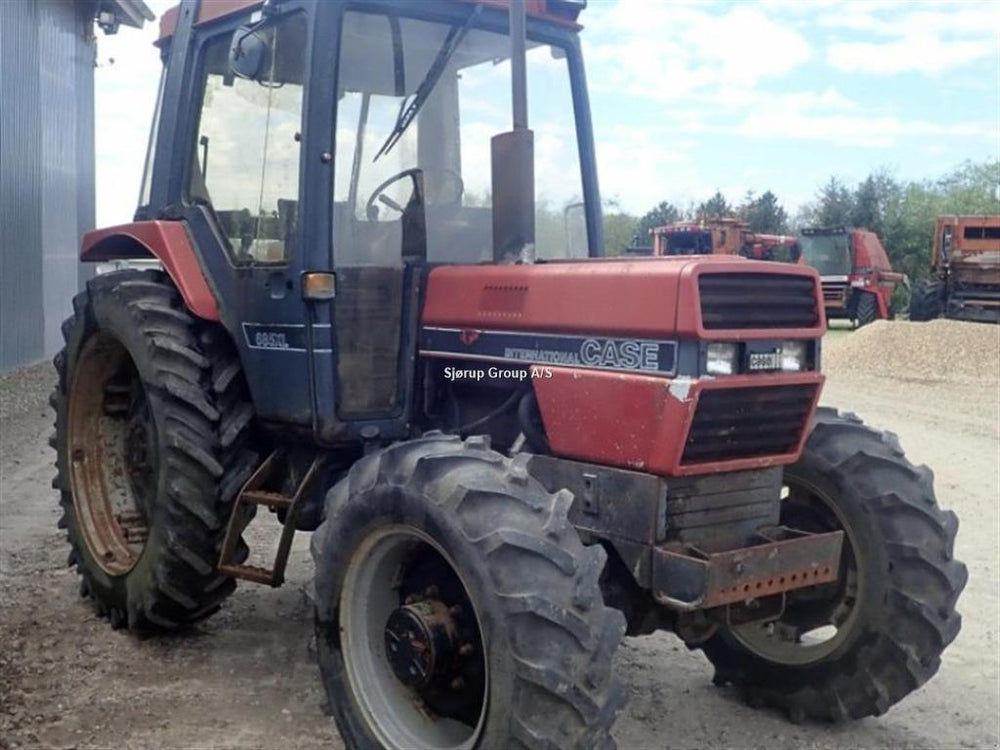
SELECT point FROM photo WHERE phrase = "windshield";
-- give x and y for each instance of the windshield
(689, 243)
(828, 254)
(418, 102)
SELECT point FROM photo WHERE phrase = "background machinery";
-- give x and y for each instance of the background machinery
(965, 271)
(509, 453)
(858, 280)
(725, 237)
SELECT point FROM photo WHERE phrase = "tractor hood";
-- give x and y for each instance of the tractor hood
(697, 297)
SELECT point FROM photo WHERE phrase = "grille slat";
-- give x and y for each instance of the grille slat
(734, 423)
(757, 300)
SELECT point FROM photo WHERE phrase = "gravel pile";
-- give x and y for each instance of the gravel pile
(936, 351)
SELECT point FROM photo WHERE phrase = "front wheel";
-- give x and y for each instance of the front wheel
(854, 647)
(927, 300)
(867, 309)
(456, 607)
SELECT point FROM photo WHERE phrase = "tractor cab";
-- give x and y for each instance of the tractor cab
(360, 142)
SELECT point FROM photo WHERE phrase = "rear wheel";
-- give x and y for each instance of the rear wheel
(927, 300)
(152, 445)
(854, 647)
(457, 608)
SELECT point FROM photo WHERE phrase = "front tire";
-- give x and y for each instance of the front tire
(441, 536)
(867, 309)
(152, 443)
(927, 300)
(855, 647)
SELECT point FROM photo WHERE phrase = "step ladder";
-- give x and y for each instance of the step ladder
(254, 494)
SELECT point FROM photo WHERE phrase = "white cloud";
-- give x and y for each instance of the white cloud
(851, 130)
(667, 52)
(921, 38)
(923, 53)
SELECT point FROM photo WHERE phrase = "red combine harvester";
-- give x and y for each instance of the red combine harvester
(722, 237)
(858, 280)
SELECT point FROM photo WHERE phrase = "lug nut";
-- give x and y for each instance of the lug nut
(457, 684)
(465, 649)
(432, 591)
(455, 611)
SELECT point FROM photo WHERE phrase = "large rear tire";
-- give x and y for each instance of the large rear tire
(854, 648)
(440, 536)
(152, 443)
(927, 300)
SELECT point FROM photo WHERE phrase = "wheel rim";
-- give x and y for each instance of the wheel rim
(411, 643)
(818, 620)
(111, 445)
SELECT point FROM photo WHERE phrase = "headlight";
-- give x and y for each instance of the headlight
(720, 359)
(793, 356)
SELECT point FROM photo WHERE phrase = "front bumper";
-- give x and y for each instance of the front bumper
(695, 542)
(778, 559)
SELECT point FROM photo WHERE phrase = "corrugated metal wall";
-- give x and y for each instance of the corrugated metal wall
(46, 169)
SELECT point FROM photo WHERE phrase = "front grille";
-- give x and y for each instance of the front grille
(757, 300)
(834, 292)
(733, 423)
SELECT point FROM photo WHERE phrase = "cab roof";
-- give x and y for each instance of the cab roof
(561, 12)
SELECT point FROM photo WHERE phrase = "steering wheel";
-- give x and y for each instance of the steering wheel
(441, 195)
(371, 210)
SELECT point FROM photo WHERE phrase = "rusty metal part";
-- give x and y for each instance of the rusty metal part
(109, 513)
(254, 494)
(420, 641)
(686, 577)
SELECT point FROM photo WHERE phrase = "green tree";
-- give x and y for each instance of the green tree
(657, 216)
(764, 214)
(834, 204)
(619, 228)
(715, 207)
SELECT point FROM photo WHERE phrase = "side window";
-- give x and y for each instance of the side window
(154, 131)
(246, 160)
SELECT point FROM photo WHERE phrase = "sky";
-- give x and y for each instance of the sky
(692, 97)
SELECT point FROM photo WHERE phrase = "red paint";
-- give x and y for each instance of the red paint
(168, 242)
(640, 297)
(639, 421)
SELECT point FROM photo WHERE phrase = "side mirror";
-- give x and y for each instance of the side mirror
(247, 52)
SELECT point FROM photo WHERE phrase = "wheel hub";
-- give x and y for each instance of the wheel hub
(420, 642)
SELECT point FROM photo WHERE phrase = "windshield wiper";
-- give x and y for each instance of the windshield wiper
(410, 106)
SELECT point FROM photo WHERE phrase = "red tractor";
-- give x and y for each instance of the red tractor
(722, 237)
(858, 280)
(509, 451)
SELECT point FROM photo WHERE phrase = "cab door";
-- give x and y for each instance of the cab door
(379, 227)
(242, 197)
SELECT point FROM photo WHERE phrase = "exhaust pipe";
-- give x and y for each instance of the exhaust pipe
(513, 160)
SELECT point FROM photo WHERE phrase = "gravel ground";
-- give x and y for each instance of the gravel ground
(245, 679)
(938, 351)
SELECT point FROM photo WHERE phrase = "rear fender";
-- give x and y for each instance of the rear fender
(167, 242)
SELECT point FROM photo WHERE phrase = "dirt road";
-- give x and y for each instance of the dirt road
(244, 679)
